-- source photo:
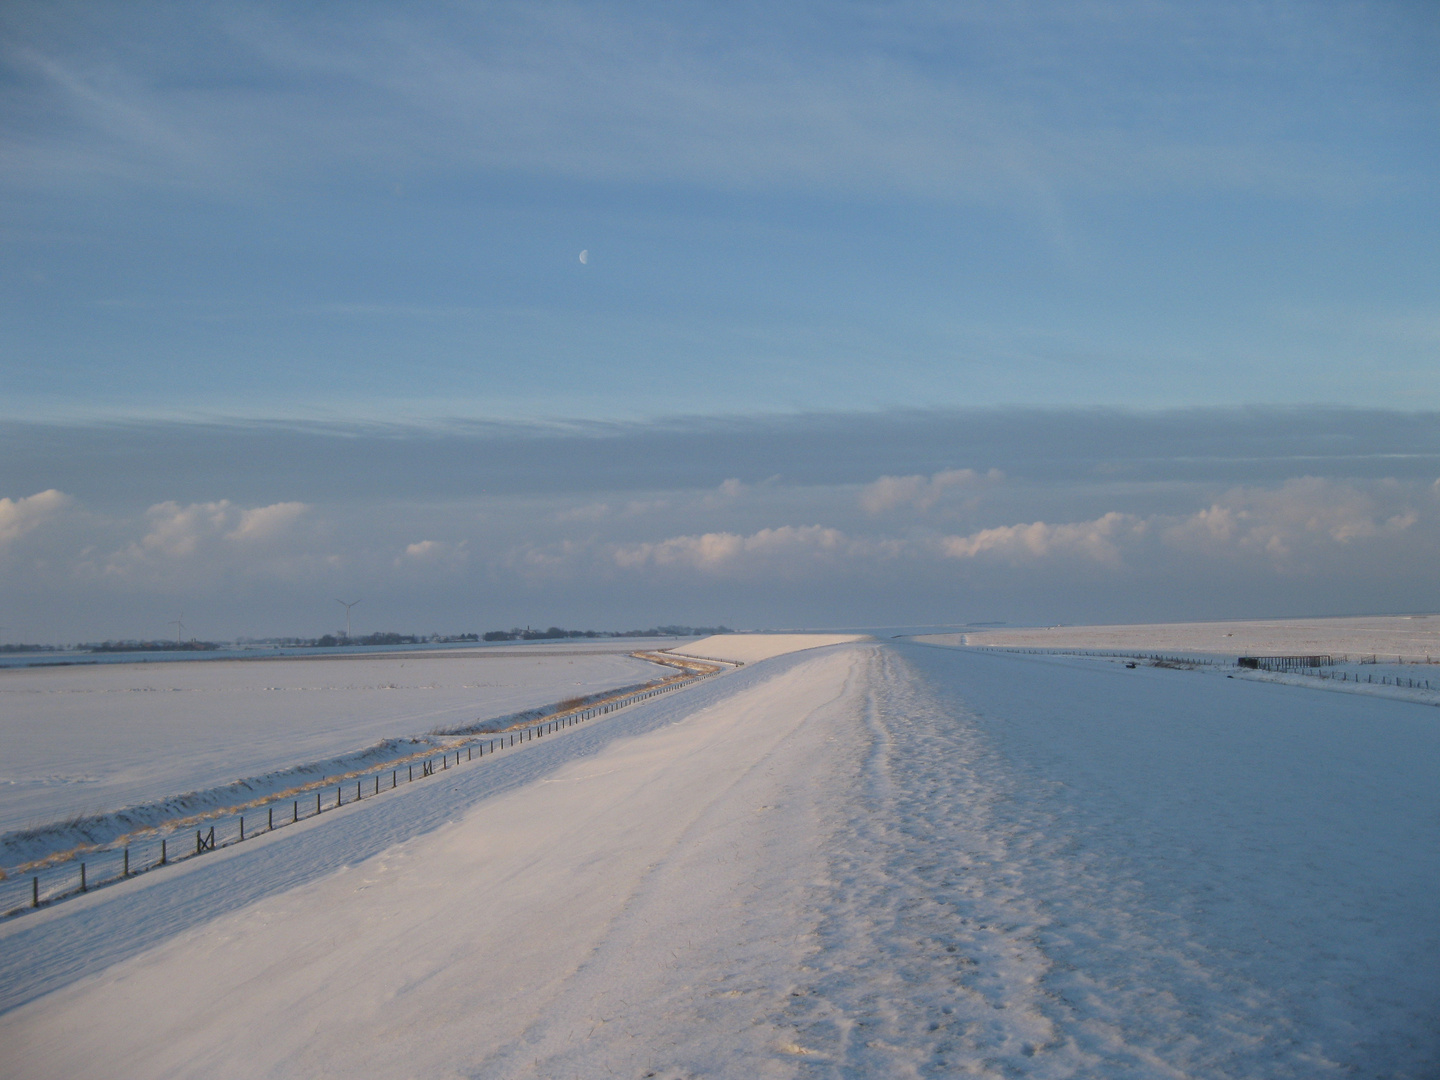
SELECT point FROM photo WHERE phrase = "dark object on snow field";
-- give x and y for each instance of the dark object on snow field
(1286, 663)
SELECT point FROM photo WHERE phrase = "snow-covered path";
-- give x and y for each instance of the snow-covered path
(861, 861)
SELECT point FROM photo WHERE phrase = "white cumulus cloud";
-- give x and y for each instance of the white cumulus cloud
(1301, 512)
(1100, 540)
(211, 538)
(267, 522)
(438, 554)
(723, 550)
(21, 516)
(892, 492)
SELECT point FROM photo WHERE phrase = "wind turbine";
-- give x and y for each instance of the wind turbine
(347, 608)
(179, 629)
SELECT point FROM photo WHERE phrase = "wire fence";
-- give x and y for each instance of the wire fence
(1406, 682)
(1313, 666)
(1111, 654)
(96, 868)
(1212, 658)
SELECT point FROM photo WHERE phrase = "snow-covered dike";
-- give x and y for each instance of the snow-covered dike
(862, 860)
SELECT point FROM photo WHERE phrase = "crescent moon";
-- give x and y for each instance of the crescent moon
(585, 256)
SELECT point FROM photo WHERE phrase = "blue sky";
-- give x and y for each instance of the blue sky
(361, 224)
(361, 211)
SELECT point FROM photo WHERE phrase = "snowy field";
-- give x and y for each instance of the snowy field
(83, 740)
(751, 648)
(864, 860)
(1415, 638)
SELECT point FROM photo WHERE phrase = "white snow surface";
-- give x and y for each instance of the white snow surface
(866, 860)
(88, 739)
(752, 648)
(1413, 637)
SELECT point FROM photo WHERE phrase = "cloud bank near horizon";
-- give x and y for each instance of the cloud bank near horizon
(1032, 517)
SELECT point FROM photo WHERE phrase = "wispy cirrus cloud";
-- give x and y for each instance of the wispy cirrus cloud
(801, 99)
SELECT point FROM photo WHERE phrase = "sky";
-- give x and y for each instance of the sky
(889, 314)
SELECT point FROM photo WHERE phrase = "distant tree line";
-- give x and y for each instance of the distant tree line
(330, 641)
(555, 633)
(154, 646)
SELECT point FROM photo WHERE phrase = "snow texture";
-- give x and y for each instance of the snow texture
(861, 860)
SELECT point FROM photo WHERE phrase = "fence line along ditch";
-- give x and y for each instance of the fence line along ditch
(1320, 666)
(83, 869)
